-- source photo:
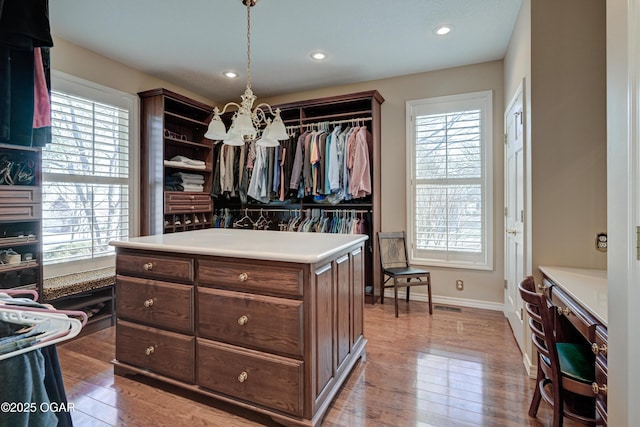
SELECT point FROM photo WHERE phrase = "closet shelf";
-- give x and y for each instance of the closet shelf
(18, 241)
(185, 119)
(18, 266)
(182, 142)
(187, 167)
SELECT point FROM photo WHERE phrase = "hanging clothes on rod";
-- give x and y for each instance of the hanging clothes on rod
(29, 364)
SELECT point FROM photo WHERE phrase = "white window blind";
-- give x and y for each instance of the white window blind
(450, 214)
(85, 179)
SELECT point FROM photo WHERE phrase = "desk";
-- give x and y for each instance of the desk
(580, 296)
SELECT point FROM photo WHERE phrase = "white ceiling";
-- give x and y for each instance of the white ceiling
(191, 42)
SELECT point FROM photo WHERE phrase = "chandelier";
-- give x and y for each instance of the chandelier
(248, 122)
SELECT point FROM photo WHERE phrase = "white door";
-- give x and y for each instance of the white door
(514, 214)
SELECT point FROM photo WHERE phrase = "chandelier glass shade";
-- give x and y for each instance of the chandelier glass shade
(247, 121)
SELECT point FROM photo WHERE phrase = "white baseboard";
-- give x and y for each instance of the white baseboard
(460, 302)
(532, 370)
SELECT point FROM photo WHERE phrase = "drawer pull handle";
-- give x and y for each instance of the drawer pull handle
(148, 266)
(599, 349)
(243, 377)
(243, 277)
(192, 207)
(192, 197)
(597, 389)
(564, 311)
(150, 350)
(148, 303)
(242, 320)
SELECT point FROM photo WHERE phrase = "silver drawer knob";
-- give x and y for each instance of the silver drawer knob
(242, 320)
(243, 277)
(243, 377)
(148, 303)
(148, 266)
(150, 350)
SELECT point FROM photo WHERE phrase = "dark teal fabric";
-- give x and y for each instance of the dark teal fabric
(577, 361)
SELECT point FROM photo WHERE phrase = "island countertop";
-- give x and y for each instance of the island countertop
(253, 244)
(587, 286)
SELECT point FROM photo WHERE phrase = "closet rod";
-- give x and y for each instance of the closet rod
(252, 210)
(336, 122)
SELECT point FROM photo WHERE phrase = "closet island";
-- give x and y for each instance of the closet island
(267, 320)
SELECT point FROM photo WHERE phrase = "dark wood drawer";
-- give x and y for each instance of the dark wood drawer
(179, 202)
(155, 266)
(162, 352)
(601, 384)
(179, 208)
(182, 197)
(161, 304)
(261, 378)
(579, 318)
(20, 212)
(11, 195)
(254, 277)
(601, 347)
(601, 415)
(262, 322)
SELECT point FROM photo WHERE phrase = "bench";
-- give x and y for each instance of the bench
(88, 291)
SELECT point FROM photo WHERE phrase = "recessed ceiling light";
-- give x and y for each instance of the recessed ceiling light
(442, 30)
(230, 74)
(319, 56)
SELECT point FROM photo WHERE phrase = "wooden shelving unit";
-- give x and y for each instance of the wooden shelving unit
(173, 125)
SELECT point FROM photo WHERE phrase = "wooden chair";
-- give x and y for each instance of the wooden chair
(565, 370)
(395, 266)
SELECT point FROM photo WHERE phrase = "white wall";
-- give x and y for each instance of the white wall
(80, 62)
(623, 175)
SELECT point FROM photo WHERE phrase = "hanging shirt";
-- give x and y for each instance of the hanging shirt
(333, 162)
(360, 185)
(296, 172)
(258, 185)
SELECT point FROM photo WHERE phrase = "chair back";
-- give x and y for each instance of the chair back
(540, 322)
(393, 249)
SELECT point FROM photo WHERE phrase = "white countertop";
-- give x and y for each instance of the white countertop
(252, 244)
(587, 287)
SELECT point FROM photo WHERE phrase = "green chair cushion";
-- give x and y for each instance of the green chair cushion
(577, 361)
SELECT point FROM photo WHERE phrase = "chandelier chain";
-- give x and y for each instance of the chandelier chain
(248, 44)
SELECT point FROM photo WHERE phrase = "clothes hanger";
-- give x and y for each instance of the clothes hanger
(244, 222)
(51, 326)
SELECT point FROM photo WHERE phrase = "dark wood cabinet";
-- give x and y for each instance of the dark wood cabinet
(173, 125)
(20, 218)
(575, 323)
(277, 337)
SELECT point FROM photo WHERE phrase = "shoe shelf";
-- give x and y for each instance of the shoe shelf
(20, 217)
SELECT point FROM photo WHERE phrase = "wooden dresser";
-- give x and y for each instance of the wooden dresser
(270, 321)
(580, 297)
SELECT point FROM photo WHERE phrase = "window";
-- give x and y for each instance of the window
(449, 152)
(87, 191)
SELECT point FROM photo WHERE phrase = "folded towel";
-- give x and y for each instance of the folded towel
(187, 161)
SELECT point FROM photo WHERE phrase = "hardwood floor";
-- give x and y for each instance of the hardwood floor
(455, 368)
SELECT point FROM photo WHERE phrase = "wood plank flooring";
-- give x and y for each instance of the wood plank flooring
(455, 368)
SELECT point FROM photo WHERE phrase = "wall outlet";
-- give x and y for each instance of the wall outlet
(459, 285)
(602, 242)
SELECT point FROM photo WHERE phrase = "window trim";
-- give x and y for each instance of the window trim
(440, 104)
(72, 85)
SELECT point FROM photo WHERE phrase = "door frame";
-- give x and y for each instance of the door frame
(516, 321)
